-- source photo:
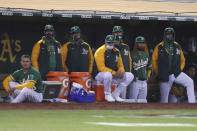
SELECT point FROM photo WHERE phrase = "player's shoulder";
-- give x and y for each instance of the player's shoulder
(39, 42)
(34, 70)
(177, 44)
(67, 44)
(18, 71)
(85, 43)
(124, 44)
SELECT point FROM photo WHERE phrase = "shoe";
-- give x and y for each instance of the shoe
(117, 98)
(109, 98)
(1, 99)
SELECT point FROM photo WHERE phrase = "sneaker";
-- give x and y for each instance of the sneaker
(117, 98)
(109, 98)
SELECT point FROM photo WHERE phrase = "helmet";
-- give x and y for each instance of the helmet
(109, 38)
(49, 27)
(117, 29)
(140, 39)
(75, 29)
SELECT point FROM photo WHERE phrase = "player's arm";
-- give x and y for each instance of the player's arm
(91, 59)
(155, 60)
(29, 85)
(149, 67)
(182, 60)
(35, 55)
(6, 83)
(130, 61)
(100, 62)
(120, 64)
(64, 52)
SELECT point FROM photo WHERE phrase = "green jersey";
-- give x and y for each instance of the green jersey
(140, 63)
(32, 75)
(52, 54)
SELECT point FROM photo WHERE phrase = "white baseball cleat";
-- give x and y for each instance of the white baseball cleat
(117, 98)
(109, 98)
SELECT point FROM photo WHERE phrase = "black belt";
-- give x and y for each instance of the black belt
(141, 79)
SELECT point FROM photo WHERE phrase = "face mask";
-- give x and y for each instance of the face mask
(76, 38)
(118, 37)
(140, 49)
(49, 36)
(109, 47)
(169, 40)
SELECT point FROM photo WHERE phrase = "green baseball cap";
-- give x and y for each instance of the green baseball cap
(169, 30)
(49, 27)
(140, 39)
(117, 29)
(109, 38)
(75, 29)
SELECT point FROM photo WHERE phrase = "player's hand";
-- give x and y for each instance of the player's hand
(119, 74)
(11, 91)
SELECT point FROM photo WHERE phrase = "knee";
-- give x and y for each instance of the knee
(107, 76)
(129, 76)
(25, 91)
(189, 82)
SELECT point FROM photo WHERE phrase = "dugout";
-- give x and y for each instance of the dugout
(21, 25)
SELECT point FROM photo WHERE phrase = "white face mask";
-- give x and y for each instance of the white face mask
(109, 47)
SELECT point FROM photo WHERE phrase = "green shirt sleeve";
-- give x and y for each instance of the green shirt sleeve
(15, 75)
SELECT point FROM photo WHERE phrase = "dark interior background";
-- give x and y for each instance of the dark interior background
(30, 29)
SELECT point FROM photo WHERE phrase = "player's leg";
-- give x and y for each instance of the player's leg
(134, 91)
(106, 79)
(186, 81)
(165, 89)
(28, 94)
(16, 91)
(122, 83)
(142, 92)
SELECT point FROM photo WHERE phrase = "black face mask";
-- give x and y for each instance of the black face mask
(118, 37)
(76, 38)
(140, 49)
(169, 40)
(49, 36)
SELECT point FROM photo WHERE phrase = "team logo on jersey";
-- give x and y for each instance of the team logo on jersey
(178, 52)
(140, 64)
(126, 52)
(84, 52)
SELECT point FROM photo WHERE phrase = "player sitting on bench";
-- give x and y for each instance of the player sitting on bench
(24, 84)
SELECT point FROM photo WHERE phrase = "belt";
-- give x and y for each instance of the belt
(141, 79)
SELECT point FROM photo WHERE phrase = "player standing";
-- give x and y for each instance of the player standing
(141, 68)
(168, 62)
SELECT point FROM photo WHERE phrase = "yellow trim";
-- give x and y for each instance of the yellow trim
(6, 82)
(35, 54)
(64, 53)
(155, 58)
(29, 84)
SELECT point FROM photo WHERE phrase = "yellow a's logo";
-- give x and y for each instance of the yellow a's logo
(6, 48)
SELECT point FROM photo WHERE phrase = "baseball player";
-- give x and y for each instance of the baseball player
(141, 68)
(24, 84)
(178, 92)
(46, 53)
(124, 51)
(168, 62)
(111, 70)
(76, 54)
